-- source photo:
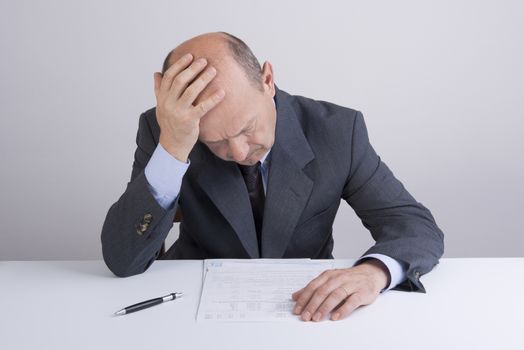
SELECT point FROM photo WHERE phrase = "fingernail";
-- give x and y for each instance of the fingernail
(306, 316)
(187, 56)
(298, 309)
(335, 316)
(317, 317)
(221, 93)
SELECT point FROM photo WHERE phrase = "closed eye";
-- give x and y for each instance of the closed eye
(249, 128)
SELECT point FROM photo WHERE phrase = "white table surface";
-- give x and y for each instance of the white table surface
(470, 304)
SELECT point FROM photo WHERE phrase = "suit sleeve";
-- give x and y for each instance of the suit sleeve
(136, 225)
(402, 228)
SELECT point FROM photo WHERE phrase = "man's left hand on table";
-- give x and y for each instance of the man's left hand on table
(341, 291)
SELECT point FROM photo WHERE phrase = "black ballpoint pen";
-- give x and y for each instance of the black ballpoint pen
(148, 303)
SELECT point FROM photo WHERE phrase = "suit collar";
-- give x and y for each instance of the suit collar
(289, 134)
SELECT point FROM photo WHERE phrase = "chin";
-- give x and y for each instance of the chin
(251, 161)
(256, 156)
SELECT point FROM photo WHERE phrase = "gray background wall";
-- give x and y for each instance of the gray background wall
(441, 85)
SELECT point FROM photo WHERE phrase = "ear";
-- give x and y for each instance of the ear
(268, 78)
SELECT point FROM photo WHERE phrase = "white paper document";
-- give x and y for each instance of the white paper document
(254, 290)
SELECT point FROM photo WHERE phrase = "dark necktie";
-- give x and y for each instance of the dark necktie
(255, 189)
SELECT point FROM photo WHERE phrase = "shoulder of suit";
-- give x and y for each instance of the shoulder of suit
(150, 115)
(148, 120)
(314, 114)
(148, 129)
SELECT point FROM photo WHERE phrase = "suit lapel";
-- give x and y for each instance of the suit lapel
(288, 187)
(223, 183)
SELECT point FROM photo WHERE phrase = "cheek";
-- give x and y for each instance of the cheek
(261, 139)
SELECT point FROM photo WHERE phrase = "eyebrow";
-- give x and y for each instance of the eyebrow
(248, 125)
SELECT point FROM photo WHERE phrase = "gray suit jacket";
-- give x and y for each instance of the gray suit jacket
(321, 155)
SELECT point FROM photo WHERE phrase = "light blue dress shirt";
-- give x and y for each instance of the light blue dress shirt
(164, 174)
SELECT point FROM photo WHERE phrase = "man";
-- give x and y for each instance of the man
(255, 172)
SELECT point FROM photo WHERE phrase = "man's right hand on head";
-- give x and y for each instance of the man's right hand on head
(176, 91)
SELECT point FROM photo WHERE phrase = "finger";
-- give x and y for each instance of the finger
(308, 290)
(332, 286)
(354, 301)
(191, 93)
(336, 297)
(209, 103)
(170, 74)
(296, 294)
(182, 80)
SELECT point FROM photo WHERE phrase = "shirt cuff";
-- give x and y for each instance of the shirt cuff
(397, 271)
(164, 175)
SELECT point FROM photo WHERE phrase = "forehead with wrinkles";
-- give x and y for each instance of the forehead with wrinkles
(230, 76)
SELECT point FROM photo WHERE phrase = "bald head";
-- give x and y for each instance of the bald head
(241, 127)
(221, 50)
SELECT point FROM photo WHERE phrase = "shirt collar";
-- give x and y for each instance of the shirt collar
(265, 158)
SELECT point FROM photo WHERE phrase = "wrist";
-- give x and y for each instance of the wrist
(174, 151)
(379, 272)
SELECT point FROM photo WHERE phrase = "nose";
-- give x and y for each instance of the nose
(238, 149)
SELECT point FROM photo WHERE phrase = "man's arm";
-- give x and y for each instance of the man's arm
(403, 229)
(136, 225)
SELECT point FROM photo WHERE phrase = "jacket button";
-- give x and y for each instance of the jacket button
(148, 218)
(141, 228)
